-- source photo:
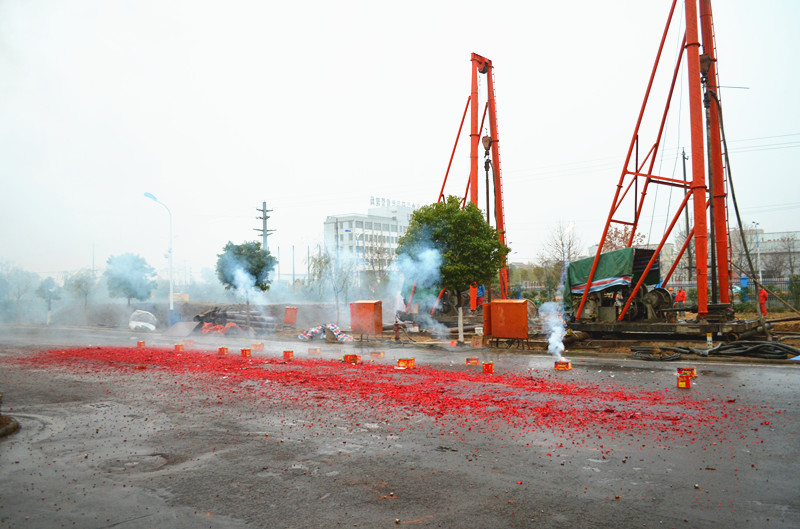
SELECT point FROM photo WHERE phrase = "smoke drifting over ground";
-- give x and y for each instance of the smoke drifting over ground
(420, 272)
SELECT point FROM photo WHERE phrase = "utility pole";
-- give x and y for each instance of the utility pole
(263, 229)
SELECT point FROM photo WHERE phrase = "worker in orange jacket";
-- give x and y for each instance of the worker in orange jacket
(680, 301)
(762, 301)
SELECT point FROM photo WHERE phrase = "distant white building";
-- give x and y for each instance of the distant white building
(371, 238)
(774, 254)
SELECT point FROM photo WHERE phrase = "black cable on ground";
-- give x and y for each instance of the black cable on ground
(657, 354)
(766, 350)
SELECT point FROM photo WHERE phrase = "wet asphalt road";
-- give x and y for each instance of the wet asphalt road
(99, 451)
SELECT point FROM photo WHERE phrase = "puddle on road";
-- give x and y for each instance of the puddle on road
(137, 464)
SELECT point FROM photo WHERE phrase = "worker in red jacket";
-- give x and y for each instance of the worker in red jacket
(680, 301)
(762, 301)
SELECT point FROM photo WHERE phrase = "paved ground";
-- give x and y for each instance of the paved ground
(611, 442)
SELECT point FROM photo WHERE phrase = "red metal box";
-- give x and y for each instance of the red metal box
(509, 318)
(366, 317)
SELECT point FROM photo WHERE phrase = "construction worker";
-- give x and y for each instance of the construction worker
(680, 301)
(762, 301)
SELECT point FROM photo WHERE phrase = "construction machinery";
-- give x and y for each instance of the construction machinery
(491, 146)
(639, 303)
(444, 305)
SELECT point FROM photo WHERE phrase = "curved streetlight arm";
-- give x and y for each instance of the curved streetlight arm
(169, 253)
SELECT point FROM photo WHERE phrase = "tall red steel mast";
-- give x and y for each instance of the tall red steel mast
(702, 75)
(481, 65)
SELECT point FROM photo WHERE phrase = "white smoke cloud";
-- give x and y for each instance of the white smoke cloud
(424, 268)
(552, 317)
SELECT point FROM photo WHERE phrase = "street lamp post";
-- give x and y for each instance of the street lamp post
(169, 253)
(758, 255)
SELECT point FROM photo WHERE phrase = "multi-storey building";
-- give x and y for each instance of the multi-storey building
(372, 238)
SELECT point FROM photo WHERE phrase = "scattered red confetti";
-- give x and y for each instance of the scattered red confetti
(471, 399)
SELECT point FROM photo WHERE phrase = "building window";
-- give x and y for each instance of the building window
(360, 224)
(368, 225)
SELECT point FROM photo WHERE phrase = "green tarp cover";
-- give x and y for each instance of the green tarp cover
(615, 268)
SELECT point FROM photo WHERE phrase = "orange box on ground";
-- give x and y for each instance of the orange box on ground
(488, 368)
(288, 355)
(563, 365)
(508, 318)
(487, 318)
(140, 343)
(178, 347)
(290, 315)
(246, 352)
(472, 361)
(691, 371)
(352, 359)
(223, 350)
(684, 381)
(258, 346)
(366, 317)
(405, 363)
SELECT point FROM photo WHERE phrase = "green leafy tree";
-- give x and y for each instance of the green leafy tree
(469, 247)
(129, 276)
(245, 266)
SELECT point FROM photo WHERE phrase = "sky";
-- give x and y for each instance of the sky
(314, 107)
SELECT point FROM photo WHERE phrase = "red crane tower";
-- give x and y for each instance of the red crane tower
(491, 144)
(703, 88)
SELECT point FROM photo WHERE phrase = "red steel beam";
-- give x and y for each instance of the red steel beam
(474, 135)
(698, 186)
(653, 259)
(715, 157)
(452, 154)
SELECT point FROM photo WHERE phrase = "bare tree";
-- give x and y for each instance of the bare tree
(789, 247)
(738, 245)
(687, 262)
(618, 238)
(81, 283)
(773, 264)
(378, 259)
(562, 245)
(21, 284)
(333, 273)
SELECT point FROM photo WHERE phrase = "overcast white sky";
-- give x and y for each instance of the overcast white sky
(315, 106)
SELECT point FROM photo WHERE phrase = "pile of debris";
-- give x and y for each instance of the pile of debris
(235, 319)
(330, 331)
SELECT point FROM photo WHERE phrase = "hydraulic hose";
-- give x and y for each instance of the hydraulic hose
(765, 350)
